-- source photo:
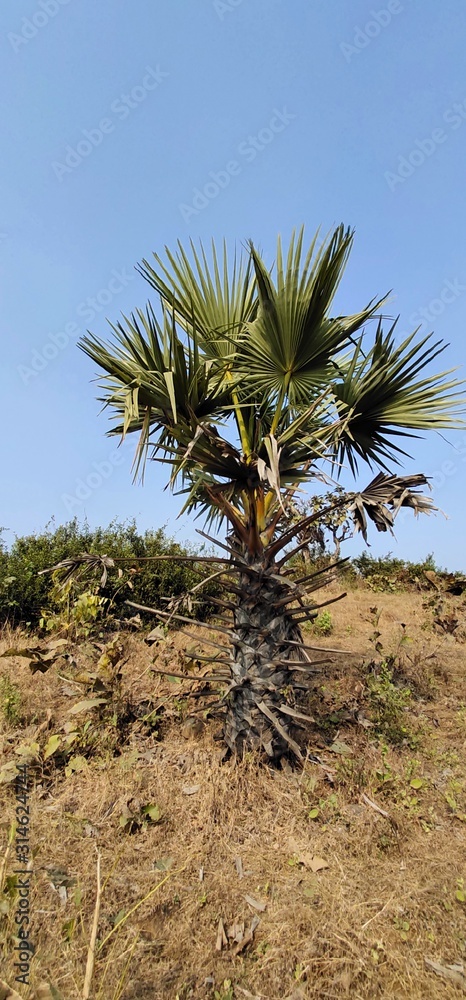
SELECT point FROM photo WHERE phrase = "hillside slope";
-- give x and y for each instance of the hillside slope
(227, 879)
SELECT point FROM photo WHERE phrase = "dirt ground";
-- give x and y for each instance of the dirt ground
(224, 880)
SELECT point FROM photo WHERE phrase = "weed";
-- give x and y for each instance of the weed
(403, 927)
(453, 793)
(10, 701)
(460, 894)
(351, 774)
(77, 614)
(327, 808)
(388, 705)
(136, 816)
(323, 624)
(225, 992)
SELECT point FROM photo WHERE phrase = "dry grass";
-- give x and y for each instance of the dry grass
(360, 927)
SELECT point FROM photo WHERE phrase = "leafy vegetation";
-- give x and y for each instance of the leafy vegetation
(323, 624)
(388, 573)
(28, 598)
(10, 701)
(388, 702)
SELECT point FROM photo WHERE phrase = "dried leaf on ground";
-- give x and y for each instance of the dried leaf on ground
(313, 862)
(338, 746)
(7, 992)
(256, 904)
(190, 789)
(239, 867)
(248, 937)
(455, 973)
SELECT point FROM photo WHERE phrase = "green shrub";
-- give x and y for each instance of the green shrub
(323, 624)
(386, 573)
(24, 595)
(388, 704)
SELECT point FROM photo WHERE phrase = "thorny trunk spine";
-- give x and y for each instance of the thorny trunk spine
(262, 686)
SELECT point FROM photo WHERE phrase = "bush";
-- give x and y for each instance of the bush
(389, 703)
(323, 624)
(388, 574)
(24, 594)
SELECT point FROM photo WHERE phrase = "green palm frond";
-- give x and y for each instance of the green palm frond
(235, 350)
(381, 398)
(222, 299)
(289, 351)
(154, 381)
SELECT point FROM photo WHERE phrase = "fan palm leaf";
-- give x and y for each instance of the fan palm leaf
(381, 398)
(289, 350)
(221, 298)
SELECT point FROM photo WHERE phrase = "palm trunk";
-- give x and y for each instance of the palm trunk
(262, 702)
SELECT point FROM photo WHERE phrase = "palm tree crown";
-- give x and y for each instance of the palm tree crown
(264, 361)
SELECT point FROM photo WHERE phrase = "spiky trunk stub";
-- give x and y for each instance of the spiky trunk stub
(269, 666)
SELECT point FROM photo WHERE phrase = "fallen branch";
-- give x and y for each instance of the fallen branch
(374, 806)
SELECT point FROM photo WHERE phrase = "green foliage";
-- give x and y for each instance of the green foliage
(239, 343)
(323, 624)
(136, 817)
(388, 704)
(225, 992)
(10, 701)
(386, 573)
(26, 597)
(78, 614)
(333, 526)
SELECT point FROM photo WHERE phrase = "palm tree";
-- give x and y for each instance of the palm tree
(246, 386)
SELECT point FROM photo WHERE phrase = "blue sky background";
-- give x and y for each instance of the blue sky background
(356, 102)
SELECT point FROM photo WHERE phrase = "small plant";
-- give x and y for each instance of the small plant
(78, 613)
(403, 927)
(136, 816)
(225, 992)
(453, 794)
(351, 774)
(389, 703)
(10, 701)
(460, 894)
(328, 808)
(323, 624)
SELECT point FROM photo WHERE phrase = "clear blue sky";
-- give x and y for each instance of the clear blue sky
(114, 114)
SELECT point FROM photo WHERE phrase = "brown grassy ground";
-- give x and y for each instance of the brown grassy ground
(389, 896)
